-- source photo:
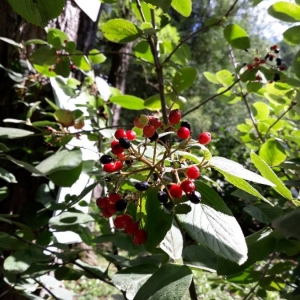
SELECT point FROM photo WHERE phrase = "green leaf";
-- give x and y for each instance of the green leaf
(163, 4)
(11, 42)
(35, 42)
(225, 77)
(4, 192)
(268, 173)
(17, 262)
(236, 36)
(155, 220)
(56, 38)
(66, 273)
(153, 102)
(96, 57)
(7, 176)
(182, 55)
(80, 60)
(63, 160)
(62, 67)
(262, 240)
(120, 31)
(69, 219)
(285, 11)
(43, 58)
(184, 78)
(261, 110)
(212, 224)
(13, 133)
(233, 168)
(272, 153)
(263, 212)
(38, 12)
(184, 7)
(292, 35)
(296, 64)
(168, 282)
(211, 77)
(145, 8)
(130, 280)
(90, 271)
(189, 156)
(172, 244)
(128, 101)
(66, 178)
(198, 256)
(65, 117)
(143, 51)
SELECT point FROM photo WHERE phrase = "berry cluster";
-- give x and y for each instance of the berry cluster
(267, 60)
(164, 170)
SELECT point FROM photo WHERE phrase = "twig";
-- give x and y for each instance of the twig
(192, 290)
(211, 98)
(198, 31)
(45, 288)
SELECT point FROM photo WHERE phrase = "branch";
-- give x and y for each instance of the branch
(46, 289)
(211, 98)
(199, 30)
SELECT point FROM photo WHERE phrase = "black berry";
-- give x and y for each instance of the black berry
(106, 159)
(277, 50)
(124, 143)
(154, 137)
(169, 205)
(141, 186)
(162, 196)
(276, 77)
(194, 197)
(186, 124)
(278, 61)
(121, 205)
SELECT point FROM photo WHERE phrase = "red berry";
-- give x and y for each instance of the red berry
(66, 41)
(126, 219)
(250, 67)
(282, 68)
(175, 191)
(113, 143)
(137, 123)
(114, 197)
(193, 172)
(132, 228)
(117, 149)
(118, 222)
(187, 186)
(174, 116)
(262, 61)
(183, 133)
(256, 59)
(120, 133)
(140, 237)
(204, 138)
(106, 213)
(118, 165)
(102, 202)
(111, 209)
(274, 47)
(109, 167)
(148, 131)
(131, 135)
(155, 122)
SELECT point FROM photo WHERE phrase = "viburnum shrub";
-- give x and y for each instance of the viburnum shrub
(166, 170)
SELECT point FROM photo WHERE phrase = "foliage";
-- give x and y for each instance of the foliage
(182, 237)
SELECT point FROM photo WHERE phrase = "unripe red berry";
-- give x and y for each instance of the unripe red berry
(120, 133)
(183, 133)
(132, 228)
(175, 191)
(110, 167)
(204, 138)
(131, 135)
(137, 123)
(193, 172)
(174, 116)
(140, 237)
(187, 186)
(148, 131)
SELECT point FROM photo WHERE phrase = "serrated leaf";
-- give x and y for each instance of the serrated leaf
(285, 11)
(184, 78)
(128, 101)
(172, 244)
(184, 7)
(233, 168)
(63, 160)
(292, 35)
(38, 12)
(7, 176)
(120, 31)
(17, 262)
(13, 133)
(131, 279)
(268, 173)
(168, 282)
(212, 224)
(272, 153)
(236, 36)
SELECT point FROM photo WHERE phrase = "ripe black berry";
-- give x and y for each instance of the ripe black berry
(106, 159)
(124, 143)
(154, 137)
(194, 197)
(277, 50)
(276, 77)
(169, 205)
(186, 124)
(141, 186)
(278, 61)
(162, 196)
(121, 205)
